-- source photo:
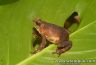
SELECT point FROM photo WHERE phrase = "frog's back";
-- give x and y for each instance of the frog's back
(54, 32)
(53, 27)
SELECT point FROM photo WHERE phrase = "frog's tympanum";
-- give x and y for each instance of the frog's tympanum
(55, 34)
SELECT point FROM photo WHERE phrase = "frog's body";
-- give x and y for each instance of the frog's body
(53, 33)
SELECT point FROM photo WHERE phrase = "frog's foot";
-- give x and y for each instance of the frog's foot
(58, 51)
(37, 50)
(34, 52)
(63, 47)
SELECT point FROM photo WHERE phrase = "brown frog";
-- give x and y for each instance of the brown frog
(55, 34)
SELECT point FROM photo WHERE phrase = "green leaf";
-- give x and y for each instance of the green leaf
(16, 31)
(83, 48)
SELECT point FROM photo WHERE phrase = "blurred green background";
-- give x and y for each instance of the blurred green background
(16, 30)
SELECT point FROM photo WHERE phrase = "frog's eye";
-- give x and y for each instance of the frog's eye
(38, 22)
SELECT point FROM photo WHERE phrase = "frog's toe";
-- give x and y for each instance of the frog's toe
(34, 52)
(59, 52)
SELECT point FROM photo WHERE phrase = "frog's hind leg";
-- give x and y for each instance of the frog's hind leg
(63, 47)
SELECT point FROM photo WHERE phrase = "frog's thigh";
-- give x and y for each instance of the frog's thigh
(64, 44)
(63, 47)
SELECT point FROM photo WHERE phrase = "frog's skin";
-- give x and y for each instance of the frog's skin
(53, 33)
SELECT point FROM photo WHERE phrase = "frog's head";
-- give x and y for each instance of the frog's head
(38, 22)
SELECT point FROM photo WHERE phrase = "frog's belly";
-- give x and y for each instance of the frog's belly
(53, 39)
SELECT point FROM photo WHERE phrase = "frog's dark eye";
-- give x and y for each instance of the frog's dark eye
(38, 21)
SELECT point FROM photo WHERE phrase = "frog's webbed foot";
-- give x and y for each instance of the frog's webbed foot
(63, 47)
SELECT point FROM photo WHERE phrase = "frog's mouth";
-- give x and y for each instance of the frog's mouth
(35, 25)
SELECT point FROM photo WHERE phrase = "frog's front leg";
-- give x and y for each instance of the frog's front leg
(42, 44)
(35, 32)
(63, 47)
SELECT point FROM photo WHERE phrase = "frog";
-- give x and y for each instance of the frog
(54, 33)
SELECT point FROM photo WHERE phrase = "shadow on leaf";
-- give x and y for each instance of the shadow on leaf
(5, 2)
